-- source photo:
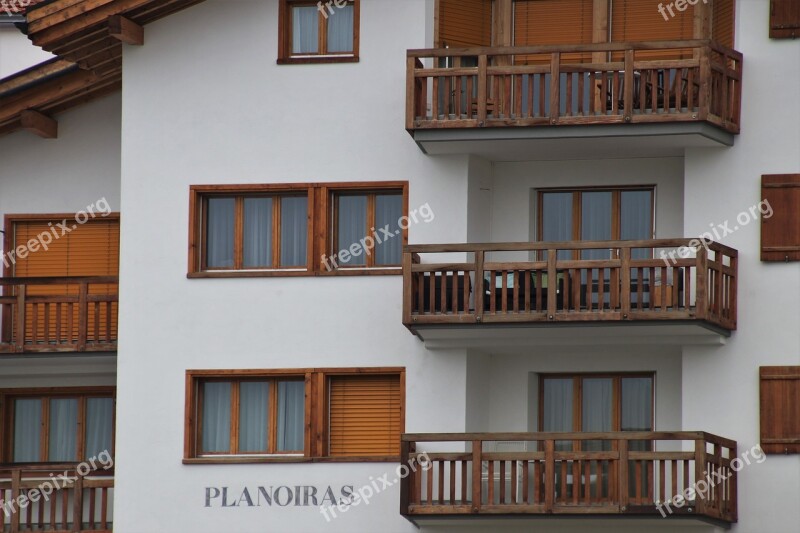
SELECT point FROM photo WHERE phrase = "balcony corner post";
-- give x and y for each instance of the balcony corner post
(549, 475)
(77, 509)
(411, 99)
(479, 291)
(699, 474)
(477, 448)
(483, 64)
(405, 486)
(704, 102)
(407, 287)
(555, 82)
(701, 300)
(16, 480)
(622, 474)
(625, 265)
(628, 96)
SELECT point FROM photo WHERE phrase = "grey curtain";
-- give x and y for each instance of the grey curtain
(557, 409)
(352, 226)
(636, 214)
(388, 210)
(596, 408)
(557, 219)
(63, 436)
(216, 417)
(99, 426)
(220, 230)
(340, 30)
(291, 415)
(294, 231)
(257, 232)
(27, 424)
(305, 30)
(596, 221)
(253, 416)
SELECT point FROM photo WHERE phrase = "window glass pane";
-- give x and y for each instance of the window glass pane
(291, 415)
(636, 215)
(340, 30)
(63, 436)
(305, 29)
(257, 232)
(99, 426)
(557, 409)
(253, 416)
(637, 404)
(352, 227)
(557, 219)
(388, 211)
(596, 409)
(217, 417)
(596, 218)
(294, 231)
(27, 424)
(219, 233)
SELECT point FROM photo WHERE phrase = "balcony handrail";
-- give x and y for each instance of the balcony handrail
(60, 280)
(568, 435)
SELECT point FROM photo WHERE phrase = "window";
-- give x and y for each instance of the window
(780, 409)
(62, 427)
(784, 19)
(307, 414)
(268, 230)
(326, 31)
(780, 231)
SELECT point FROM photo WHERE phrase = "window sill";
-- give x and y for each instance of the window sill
(295, 273)
(305, 60)
(268, 460)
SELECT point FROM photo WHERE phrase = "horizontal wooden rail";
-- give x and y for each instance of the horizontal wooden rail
(58, 314)
(581, 281)
(465, 474)
(81, 505)
(604, 83)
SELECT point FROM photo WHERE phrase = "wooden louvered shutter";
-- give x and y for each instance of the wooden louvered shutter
(464, 23)
(780, 409)
(784, 19)
(780, 233)
(545, 22)
(639, 21)
(364, 417)
(722, 22)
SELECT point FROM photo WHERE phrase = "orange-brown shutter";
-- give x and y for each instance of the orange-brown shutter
(780, 233)
(640, 21)
(722, 22)
(464, 23)
(545, 22)
(365, 415)
(780, 409)
(784, 19)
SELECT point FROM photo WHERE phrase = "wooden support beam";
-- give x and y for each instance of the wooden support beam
(42, 125)
(125, 30)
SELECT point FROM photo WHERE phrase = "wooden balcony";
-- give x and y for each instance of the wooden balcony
(71, 314)
(663, 84)
(550, 283)
(83, 505)
(619, 473)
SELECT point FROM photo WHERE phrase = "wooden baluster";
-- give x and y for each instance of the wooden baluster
(504, 294)
(77, 508)
(83, 315)
(483, 63)
(21, 302)
(476, 476)
(443, 291)
(531, 80)
(405, 482)
(46, 338)
(622, 475)
(701, 274)
(429, 484)
(704, 98)
(452, 482)
(552, 284)
(549, 473)
(464, 496)
(104, 508)
(34, 324)
(502, 482)
(699, 467)
(526, 466)
(490, 483)
(555, 81)
(478, 291)
(441, 482)
(515, 296)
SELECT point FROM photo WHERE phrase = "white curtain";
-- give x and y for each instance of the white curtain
(220, 231)
(340, 30)
(352, 226)
(63, 436)
(637, 408)
(291, 415)
(596, 409)
(557, 408)
(216, 416)
(253, 416)
(294, 231)
(27, 424)
(636, 215)
(257, 232)
(99, 426)
(305, 30)
(595, 221)
(557, 219)
(388, 210)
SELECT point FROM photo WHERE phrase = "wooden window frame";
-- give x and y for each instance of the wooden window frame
(577, 391)
(316, 413)
(320, 228)
(285, 54)
(774, 437)
(82, 394)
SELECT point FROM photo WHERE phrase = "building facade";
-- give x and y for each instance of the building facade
(485, 265)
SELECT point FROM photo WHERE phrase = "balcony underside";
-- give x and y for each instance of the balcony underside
(600, 141)
(565, 521)
(591, 333)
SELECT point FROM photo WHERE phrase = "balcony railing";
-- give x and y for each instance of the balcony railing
(622, 473)
(84, 504)
(608, 83)
(70, 314)
(571, 282)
